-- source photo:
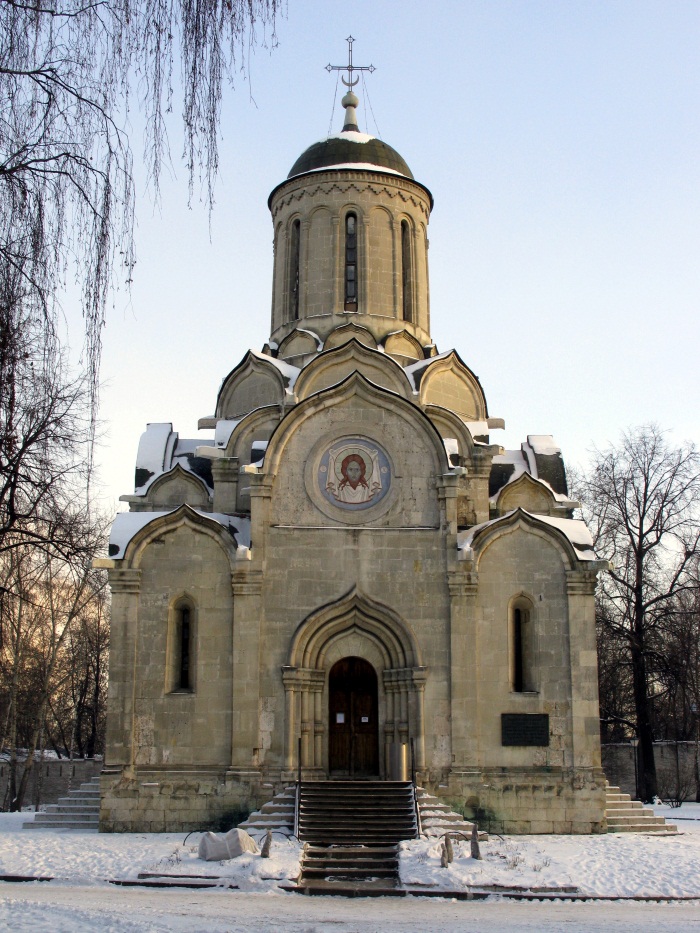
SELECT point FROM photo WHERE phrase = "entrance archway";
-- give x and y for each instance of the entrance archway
(353, 629)
(353, 740)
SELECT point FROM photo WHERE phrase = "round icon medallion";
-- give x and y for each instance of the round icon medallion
(354, 473)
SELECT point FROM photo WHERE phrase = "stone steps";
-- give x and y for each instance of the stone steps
(79, 810)
(437, 818)
(625, 815)
(351, 830)
(277, 815)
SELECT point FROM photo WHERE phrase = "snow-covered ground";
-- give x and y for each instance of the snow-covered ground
(615, 864)
(80, 898)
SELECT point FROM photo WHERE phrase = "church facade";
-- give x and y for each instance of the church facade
(351, 572)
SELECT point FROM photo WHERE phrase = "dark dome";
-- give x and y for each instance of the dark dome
(350, 147)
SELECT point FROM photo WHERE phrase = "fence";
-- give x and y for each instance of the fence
(675, 768)
(52, 778)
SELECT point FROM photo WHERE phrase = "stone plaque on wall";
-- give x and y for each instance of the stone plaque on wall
(524, 729)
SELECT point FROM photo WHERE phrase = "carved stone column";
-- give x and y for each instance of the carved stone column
(303, 271)
(580, 587)
(337, 252)
(225, 473)
(289, 679)
(246, 581)
(464, 656)
(125, 585)
(418, 678)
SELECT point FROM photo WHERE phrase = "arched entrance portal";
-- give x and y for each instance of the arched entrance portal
(331, 652)
(353, 717)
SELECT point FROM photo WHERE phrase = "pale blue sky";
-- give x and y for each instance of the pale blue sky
(561, 142)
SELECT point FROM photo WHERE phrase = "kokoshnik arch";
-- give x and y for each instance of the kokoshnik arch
(351, 563)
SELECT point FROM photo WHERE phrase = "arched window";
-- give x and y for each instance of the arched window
(181, 642)
(406, 272)
(294, 251)
(184, 633)
(351, 262)
(522, 646)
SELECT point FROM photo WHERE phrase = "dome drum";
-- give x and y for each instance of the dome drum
(350, 245)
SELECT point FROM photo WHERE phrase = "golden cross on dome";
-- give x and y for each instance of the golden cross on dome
(350, 67)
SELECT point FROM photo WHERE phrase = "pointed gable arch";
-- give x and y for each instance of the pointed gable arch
(403, 345)
(448, 382)
(354, 611)
(449, 425)
(184, 517)
(255, 382)
(257, 426)
(176, 487)
(483, 536)
(347, 332)
(299, 345)
(355, 386)
(333, 366)
(528, 493)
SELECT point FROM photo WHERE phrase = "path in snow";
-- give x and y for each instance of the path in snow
(51, 909)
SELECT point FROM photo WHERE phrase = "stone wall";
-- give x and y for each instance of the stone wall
(177, 801)
(675, 768)
(53, 778)
(522, 800)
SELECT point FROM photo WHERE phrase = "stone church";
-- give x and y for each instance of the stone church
(350, 571)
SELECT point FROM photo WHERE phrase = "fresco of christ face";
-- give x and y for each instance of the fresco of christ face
(353, 470)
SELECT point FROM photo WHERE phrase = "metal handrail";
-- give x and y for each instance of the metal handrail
(297, 796)
(419, 827)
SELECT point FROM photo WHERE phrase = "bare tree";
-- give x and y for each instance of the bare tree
(49, 600)
(44, 428)
(67, 70)
(641, 501)
(681, 711)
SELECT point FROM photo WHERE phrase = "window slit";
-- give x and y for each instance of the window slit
(518, 679)
(351, 263)
(184, 648)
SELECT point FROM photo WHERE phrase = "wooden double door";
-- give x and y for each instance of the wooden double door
(353, 719)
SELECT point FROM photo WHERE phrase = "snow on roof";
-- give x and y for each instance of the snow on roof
(223, 431)
(127, 524)
(257, 452)
(478, 428)
(529, 455)
(451, 449)
(524, 461)
(543, 444)
(311, 333)
(351, 136)
(575, 530)
(359, 166)
(155, 452)
(514, 460)
(289, 372)
(414, 368)
(185, 445)
(516, 457)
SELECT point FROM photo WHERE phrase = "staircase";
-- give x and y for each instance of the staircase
(352, 828)
(625, 815)
(276, 815)
(436, 818)
(79, 810)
